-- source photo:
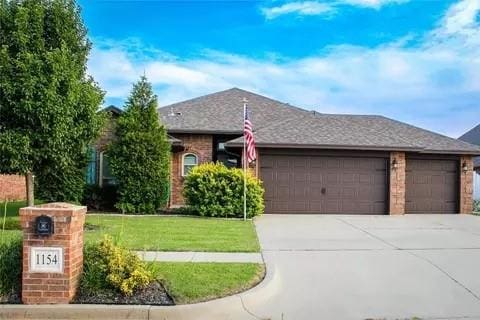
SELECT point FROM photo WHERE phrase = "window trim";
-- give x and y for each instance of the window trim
(100, 169)
(183, 161)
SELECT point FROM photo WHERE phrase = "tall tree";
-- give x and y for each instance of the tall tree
(48, 104)
(140, 156)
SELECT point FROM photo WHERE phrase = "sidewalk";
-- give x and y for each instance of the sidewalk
(190, 256)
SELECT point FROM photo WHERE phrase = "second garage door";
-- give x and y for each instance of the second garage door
(321, 184)
(431, 186)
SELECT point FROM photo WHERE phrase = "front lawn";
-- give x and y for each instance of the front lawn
(159, 233)
(14, 206)
(175, 233)
(189, 282)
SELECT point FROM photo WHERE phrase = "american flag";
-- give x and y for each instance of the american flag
(248, 135)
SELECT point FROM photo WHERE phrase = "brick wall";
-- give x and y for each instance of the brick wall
(12, 187)
(466, 185)
(198, 144)
(40, 287)
(397, 183)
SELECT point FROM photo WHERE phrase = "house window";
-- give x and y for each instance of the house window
(106, 177)
(189, 161)
(92, 166)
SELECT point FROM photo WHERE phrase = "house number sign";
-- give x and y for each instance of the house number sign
(46, 259)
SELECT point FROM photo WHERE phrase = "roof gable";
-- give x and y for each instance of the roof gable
(472, 136)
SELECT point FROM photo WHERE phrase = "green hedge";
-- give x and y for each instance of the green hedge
(10, 269)
(214, 190)
(476, 205)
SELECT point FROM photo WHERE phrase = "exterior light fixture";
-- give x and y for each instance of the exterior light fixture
(394, 164)
(464, 166)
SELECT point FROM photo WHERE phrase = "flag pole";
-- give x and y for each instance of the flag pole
(244, 163)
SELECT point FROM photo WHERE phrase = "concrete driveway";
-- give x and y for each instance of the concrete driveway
(359, 267)
(336, 268)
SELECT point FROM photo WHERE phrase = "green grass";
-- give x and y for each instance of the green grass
(8, 235)
(162, 233)
(189, 282)
(14, 206)
(175, 233)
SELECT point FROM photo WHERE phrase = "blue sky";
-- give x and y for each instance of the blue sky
(415, 61)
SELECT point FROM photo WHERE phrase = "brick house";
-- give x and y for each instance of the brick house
(318, 163)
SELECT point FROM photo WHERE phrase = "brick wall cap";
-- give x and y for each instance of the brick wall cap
(56, 206)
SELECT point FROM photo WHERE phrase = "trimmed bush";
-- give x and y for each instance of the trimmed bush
(110, 267)
(214, 190)
(10, 269)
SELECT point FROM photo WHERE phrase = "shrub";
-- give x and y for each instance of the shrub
(11, 223)
(476, 205)
(110, 267)
(100, 198)
(214, 190)
(10, 268)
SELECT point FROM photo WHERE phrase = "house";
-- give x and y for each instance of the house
(473, 136)
(318, 163)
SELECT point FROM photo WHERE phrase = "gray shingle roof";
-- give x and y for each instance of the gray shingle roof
(278, 124)
(223, 112)
(473, 136)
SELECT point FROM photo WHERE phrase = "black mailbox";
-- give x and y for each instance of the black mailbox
(44, 226)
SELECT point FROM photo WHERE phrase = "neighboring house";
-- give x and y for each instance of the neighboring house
(311, 162)
(473, 136)
(12, 187)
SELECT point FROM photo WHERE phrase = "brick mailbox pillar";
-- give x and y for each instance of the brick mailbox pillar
(52, 252)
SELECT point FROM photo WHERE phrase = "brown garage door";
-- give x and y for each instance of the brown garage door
(319, 184)
(431, 186)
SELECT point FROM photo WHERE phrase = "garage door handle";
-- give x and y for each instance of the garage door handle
(323, 191)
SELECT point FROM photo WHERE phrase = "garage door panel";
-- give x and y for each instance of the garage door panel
(316, 184)
(431, 186)
(349, 177)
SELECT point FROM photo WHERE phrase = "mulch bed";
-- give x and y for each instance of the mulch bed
(154, 294)
(13, 298)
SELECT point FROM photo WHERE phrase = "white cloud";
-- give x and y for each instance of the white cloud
(370, 3)
(435, 85)
(304, 8)
(320, 8)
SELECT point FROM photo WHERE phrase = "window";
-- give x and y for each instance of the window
(92, 166)
(106, 177)
(189, 161)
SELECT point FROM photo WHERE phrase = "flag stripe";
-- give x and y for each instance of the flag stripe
(249, 139)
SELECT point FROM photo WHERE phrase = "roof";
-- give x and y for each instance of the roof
(112, 109)
(472, 136)
(278, 124)
(222, 112)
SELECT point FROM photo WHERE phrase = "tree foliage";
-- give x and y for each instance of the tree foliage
(140, 155)
(48, 104)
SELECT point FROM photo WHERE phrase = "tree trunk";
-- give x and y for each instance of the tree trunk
(29, 183)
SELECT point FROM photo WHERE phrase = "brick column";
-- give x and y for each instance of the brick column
(57, 286)
(466, 185)
(397, 183)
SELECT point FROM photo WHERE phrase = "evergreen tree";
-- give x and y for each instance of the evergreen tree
(140, 155)
(48, 105)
